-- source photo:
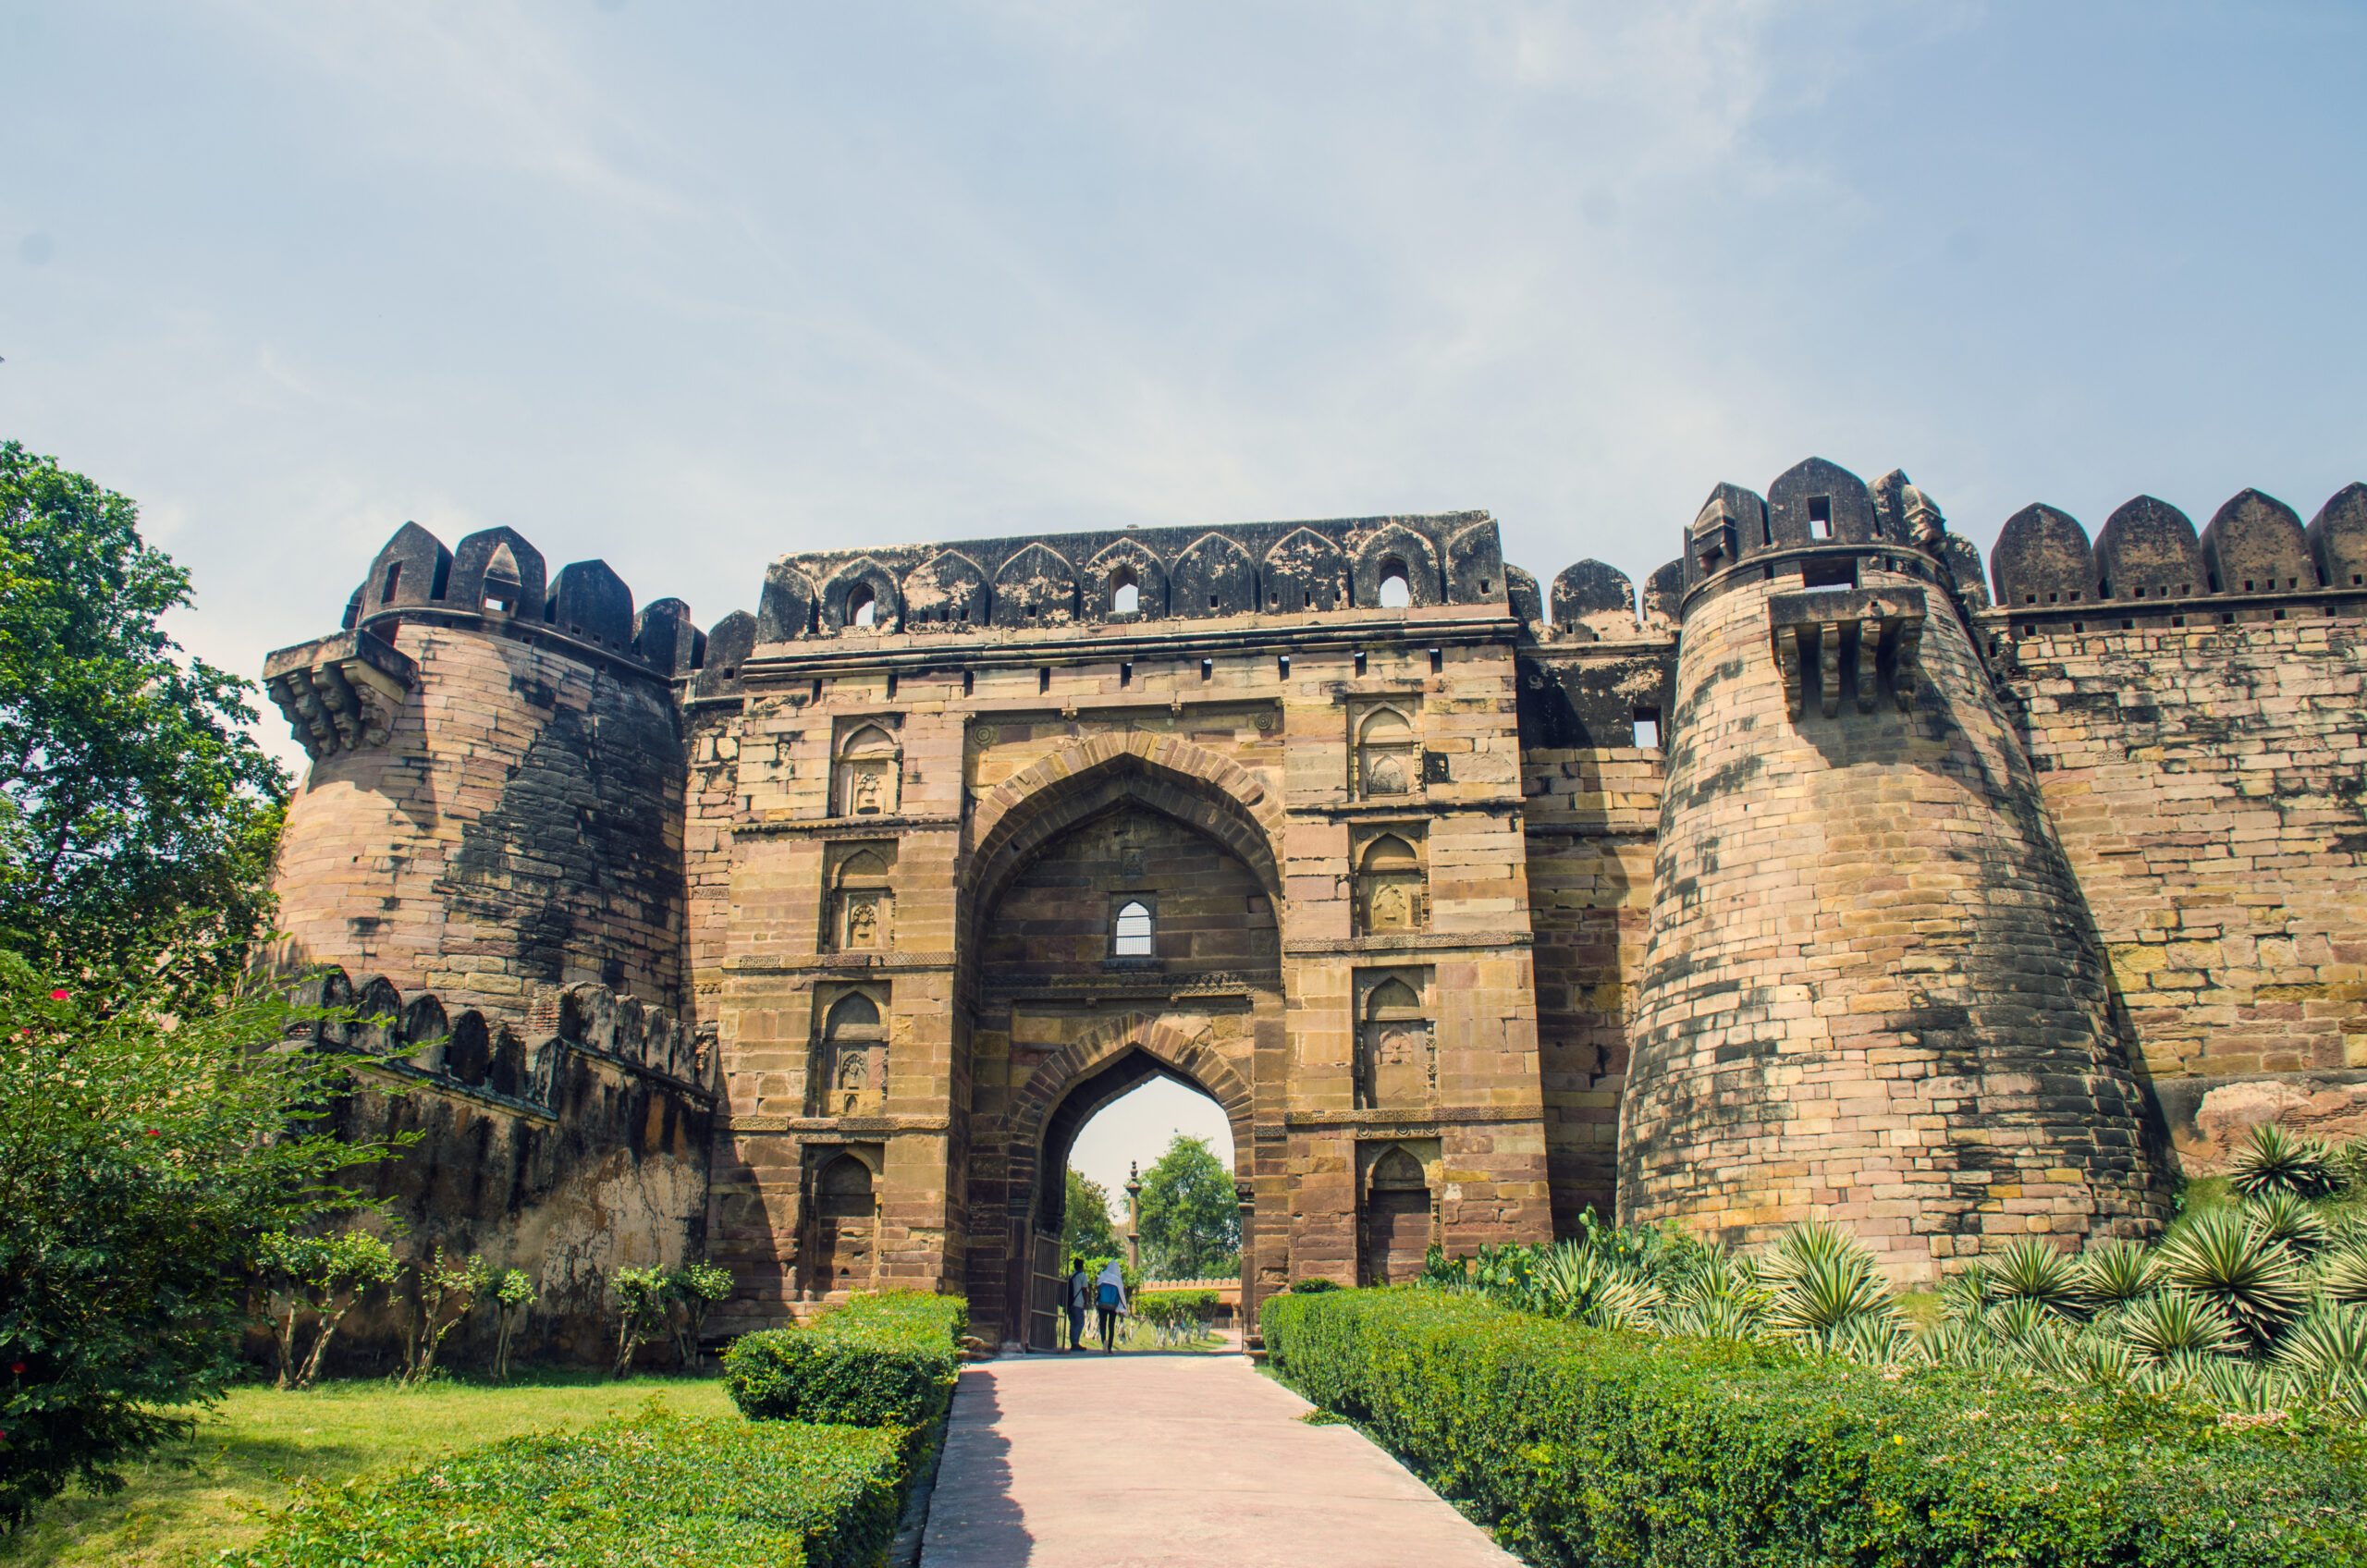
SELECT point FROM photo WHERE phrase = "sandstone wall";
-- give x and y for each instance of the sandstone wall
(2206, 783)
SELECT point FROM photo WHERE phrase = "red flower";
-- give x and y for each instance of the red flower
(57, 995)
(17, 1368)
(154, 1134)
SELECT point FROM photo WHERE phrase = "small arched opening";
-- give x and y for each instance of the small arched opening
(1125, 592)
(1396, 585)
(846, 1222)
(1396, 1228)
(863, 606)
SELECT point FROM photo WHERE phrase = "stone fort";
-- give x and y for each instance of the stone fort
(1818, 882)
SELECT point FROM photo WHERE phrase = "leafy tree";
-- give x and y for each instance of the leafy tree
(697, 1287)
(447, 1292)
(513, 1294)
(136, 815)
(322, 1277)
(1086, 1230)
(1191, 1220)
(643, 1299)
(145, 1153)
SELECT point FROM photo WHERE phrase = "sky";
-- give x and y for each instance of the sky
(686, 287)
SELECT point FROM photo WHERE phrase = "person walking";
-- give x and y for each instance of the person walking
(1078, 1290)
(1110, 1297)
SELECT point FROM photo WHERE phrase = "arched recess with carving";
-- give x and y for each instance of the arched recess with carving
(1194, 786)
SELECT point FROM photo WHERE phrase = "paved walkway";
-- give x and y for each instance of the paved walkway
(1172, 1462)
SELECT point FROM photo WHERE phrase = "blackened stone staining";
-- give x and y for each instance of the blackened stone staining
(2254, 544)
(2337, 538)
(592, 604)
(2148, 550)
(1214, 576)
(2043, 558)
(1593, 602)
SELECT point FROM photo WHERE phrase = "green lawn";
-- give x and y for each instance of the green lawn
(250, 1446)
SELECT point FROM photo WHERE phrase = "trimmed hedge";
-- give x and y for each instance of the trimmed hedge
(1582, 1447)
(650, 1489)
(878, 1361)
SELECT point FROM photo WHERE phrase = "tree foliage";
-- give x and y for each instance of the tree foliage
(144, 1153)
(1086, 1230)
(136, 815)
(1191, 1220)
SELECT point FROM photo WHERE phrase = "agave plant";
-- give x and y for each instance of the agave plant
(1821, 1281)
(1872, 1339)
(2172, 1325)
(2287, 1217)
(2118, 1271)
(2330, 1342)
(1967, 1293)
(2220, 1254)
(2028, 1270)
(1711, 1316)
(2273, 1160)
(2343, 1275)
(1577, 1281)
(2239, 1386)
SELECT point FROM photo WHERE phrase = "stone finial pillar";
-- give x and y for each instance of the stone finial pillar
(1134, 1215)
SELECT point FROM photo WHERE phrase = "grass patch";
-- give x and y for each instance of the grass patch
(251, 1449)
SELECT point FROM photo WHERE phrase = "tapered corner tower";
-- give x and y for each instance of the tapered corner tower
(1871, 992)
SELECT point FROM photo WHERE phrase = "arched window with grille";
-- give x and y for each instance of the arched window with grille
(1130, 934)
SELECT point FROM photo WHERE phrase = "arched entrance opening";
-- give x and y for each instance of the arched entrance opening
(1133, 1112)
(1123, 931)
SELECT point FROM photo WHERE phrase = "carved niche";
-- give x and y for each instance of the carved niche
(1392, 888)
(870, 768)
(1388, 754)
(852, 1051)
(1397, 1058)
(862, 897)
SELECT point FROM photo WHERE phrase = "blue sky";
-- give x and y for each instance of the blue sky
(686, 287)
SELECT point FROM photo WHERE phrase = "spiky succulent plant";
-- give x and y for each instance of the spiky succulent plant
(2220, 1254)
(2272, 1160)
(2118, 1271)
(2172, 1324)
(1822, 1282)
(2026, 1269)
(2288, 1218)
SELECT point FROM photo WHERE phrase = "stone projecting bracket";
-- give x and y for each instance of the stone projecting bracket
(340, 693)
(1858, 639)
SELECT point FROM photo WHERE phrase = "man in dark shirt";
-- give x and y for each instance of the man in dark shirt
(1075, 1293)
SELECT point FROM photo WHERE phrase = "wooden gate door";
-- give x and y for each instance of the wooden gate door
(1043, 1294)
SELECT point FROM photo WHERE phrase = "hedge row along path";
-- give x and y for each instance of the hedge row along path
(1129, 1461)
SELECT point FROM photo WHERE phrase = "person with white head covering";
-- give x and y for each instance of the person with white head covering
(1111, 1298)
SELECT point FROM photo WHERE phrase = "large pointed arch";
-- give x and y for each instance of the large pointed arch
(1188, 783)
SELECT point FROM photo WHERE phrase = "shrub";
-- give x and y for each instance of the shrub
(650, 1489)
(878, 1361)
(1177, 1315)
(1583, 1446)
(146, 1147)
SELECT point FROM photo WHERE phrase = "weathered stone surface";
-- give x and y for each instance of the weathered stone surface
(1847, 897)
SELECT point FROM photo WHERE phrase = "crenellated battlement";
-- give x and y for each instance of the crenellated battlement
(2149, 569)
